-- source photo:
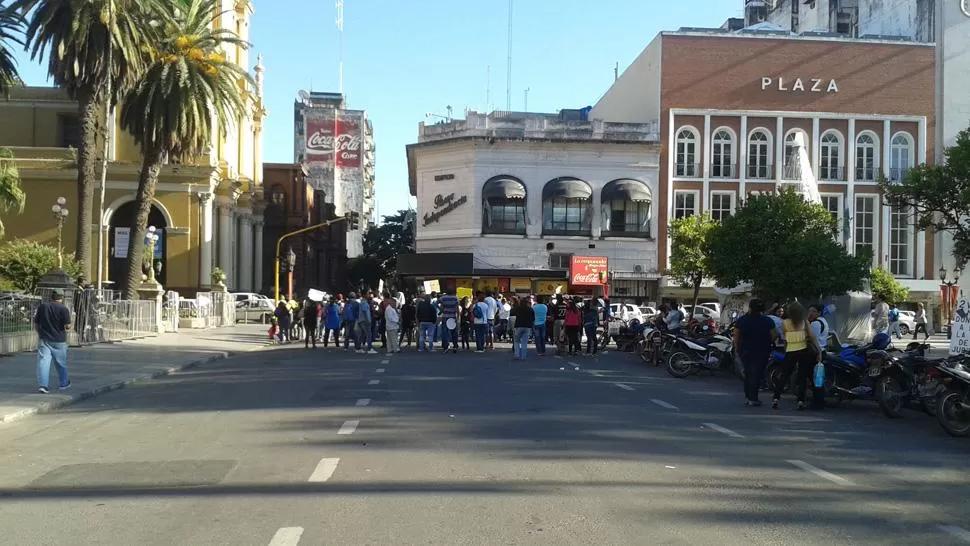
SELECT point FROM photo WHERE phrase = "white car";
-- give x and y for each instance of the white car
(648, 312)
(702, 312)
(907, 322)
(628, 311)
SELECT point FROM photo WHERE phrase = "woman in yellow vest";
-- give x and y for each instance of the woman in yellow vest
(801, 354)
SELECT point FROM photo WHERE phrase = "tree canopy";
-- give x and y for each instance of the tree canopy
(12, 197)
(939, 195)
(688, 260)
(382, 244)
(887, 288)
(785, 247)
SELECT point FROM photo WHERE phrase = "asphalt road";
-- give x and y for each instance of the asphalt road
(295, 447)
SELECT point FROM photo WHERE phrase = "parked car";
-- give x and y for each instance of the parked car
(907, 322)
(257, 309)
(702, 312)
(648, 312)
(626, 310)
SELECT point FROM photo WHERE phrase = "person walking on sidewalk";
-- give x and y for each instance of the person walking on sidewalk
(801, 354)
(920, 323)
(52, 320)
(754, 334)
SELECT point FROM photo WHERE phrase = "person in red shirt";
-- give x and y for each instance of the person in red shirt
(572, 325)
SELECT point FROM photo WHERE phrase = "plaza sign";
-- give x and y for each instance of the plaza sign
(800, 85)
(443, 204)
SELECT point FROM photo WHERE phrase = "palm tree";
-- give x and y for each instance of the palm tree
(187, 93)
(11, 25)
(12, 196)
(91, 46)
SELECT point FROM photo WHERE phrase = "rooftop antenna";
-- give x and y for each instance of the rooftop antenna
(488, 88)
(340, 40)
(508, 76)
(616, 71)
(526, 107)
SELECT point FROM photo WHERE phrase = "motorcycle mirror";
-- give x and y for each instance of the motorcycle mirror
(705, 327)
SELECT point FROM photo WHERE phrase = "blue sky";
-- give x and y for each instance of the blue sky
(403, 58)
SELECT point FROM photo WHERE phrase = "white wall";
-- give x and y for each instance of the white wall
(635, 96)
(473, 163)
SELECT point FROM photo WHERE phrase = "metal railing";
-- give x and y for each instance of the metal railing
(760, 171)
(722, 170)
(831, 173)
(687, 170)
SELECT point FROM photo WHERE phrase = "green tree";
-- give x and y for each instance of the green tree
(24, 262)
(688, 261)
(91, 47)
(187, 94)
(11, 27)
(12, 195)
(383, 243)
(885, 287)
(785, 247)
(939, 195)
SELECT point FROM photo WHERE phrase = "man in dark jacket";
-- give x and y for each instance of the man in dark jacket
(52, 321)
(427, 317)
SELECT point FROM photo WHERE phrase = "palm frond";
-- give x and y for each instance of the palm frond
(11, 32)
(12, 196)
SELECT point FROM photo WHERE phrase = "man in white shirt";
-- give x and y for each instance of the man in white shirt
(480, 320)
(492, 311)
(818, 325)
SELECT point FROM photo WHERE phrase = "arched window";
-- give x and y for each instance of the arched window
(830, 167)
(626, 206)
(565, 207)
(504, 206)
(900, 156)
(866, 156)
(759, 154)
(794, 148)
(722, 154)
(277, 196)
(686, 153)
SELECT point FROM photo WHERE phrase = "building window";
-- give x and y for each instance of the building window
(722, 205)
(866, 157)
(899, 241)
(686, 159)
(68, 131)
(558, 260)
(833, 203)
(865, 224)
(759, 150)
(626, 207)
(794, 149)
(685, 204)
(565, 207)
(504, 206)
(722, 154)
(830, 167)
(901, 156)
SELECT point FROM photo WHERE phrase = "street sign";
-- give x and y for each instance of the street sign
(960, 338)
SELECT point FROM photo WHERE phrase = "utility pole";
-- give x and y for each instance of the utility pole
(508, 76)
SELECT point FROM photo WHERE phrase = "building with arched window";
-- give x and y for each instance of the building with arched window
(506, 200)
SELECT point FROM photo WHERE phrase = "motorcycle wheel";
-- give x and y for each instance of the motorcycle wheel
(929, 406)
(642, 349)
(946, 414)
(775, 374)
(679, 365)
(889, 395)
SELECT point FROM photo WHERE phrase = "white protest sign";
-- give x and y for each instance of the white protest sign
(960, 339)
(315, 295)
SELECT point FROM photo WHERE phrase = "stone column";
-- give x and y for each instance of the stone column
(259, 258)
(225, 239)
(205, 244)
(245, 251)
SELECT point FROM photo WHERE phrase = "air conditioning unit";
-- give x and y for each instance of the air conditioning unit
(638, 268)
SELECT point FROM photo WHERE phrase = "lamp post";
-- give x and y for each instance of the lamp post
(948, 295)
(60, 215)
(291, 267)
(151, 239)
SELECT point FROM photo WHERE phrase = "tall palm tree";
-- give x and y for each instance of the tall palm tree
(187, 93)
(11, 28)
(76, 36)
(12, 196)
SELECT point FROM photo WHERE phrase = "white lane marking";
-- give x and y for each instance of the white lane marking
(955, 532)
(624, 387)
(287, 536)
(663, 404)
(363, 401)
(374, 382)
(380, 370)
(325, 468)
(573, 364)
(385, 361)
(820, 473)
(348, 427)
(595, 374)
(722, 430)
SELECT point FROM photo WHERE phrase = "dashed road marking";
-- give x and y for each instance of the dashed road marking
(663, 404)
(380, 370)
(324, 470)
(363, 402)
(348, 427)
(820, 473)
(595, 374)
(573, 364)
(722, 430)
(287, 536)
(385, 361)
(955, 532)
(374, 382)
(624, 387)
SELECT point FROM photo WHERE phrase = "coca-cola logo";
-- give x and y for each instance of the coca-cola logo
(320, 141)
(586, 278)
(348, 146)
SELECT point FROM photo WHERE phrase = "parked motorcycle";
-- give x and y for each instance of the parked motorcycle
(690, 355)
(953, 406)
(899, 379)
(853, 373)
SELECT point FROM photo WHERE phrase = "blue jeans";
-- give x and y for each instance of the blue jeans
(481, 331)
(426, 331)
(448, 337)
(363, 336)
(47, 351)
(520, 343)
(541, 338)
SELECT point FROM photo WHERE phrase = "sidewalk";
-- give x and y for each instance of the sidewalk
(105, 367)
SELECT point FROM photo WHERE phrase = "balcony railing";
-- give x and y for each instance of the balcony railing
(687, 170)
(831, 174)
(898, 174)
(791, 171)
(723, 170)
(866, 174)
(762, 171)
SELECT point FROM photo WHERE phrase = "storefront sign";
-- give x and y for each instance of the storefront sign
(960, 338)
(588, 270)
(799, 85)
(443, 204)
(521, 285)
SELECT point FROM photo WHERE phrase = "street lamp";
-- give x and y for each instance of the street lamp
(151, 239)
(948, 296)
(60, 215)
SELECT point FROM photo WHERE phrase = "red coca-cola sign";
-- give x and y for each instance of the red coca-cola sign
(319, 138)
(588, 270)
(347, 144)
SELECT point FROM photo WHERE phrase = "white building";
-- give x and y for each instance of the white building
(522, 193)
(913, 19)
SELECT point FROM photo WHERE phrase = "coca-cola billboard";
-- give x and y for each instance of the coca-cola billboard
(588, 270)
(319, 139)
(348, 142)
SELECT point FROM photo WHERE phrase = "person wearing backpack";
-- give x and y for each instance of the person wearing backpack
(480, 318)
(894, 322)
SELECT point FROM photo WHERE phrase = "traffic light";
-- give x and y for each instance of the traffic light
(353, 221)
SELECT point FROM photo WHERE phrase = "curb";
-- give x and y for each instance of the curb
(61, 401)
